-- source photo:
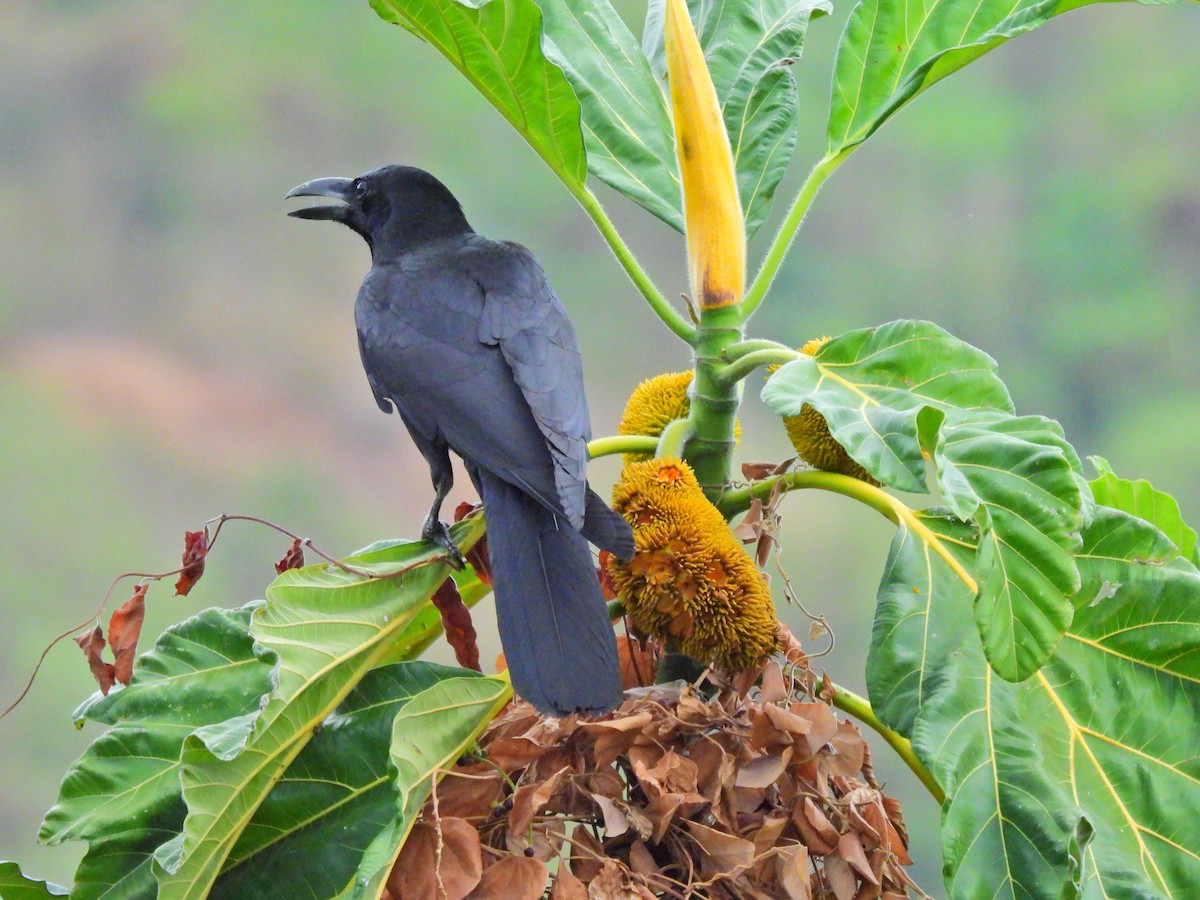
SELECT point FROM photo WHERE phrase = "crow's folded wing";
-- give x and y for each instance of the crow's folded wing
(524, 318)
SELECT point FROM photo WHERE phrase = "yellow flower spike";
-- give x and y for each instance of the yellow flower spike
(655, 404)
(716, 234)
(690, 581)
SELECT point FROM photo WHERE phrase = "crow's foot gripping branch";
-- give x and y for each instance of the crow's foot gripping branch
(438, 532)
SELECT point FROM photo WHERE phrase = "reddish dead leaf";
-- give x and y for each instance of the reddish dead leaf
(567, 886)
(512, 878)
(721, 853)
(443, 863)
(195, 549)
(638, 661)
(763, 771)
(840, 878)
(615, 882)
(850, 848)
(92, 644)
(124, 628)
(471, 797)
(528, 801)
(791, 869)
(640, 859)
(816, 831)
(774, 687)
(849, 749)
(587, 855)
(293, 559)
(477, 556)
(456, 621)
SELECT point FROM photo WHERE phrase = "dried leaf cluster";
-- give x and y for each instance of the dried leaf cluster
(766, 795)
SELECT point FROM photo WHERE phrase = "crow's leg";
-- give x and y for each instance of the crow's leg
(434, 529)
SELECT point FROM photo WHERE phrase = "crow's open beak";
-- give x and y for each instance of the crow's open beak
(338, 188)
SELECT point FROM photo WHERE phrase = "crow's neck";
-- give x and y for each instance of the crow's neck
(403, 234)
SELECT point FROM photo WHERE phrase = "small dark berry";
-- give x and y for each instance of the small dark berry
(529, 851)
(508, 804)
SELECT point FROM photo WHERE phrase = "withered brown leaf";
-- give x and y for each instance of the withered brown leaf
(124, 629)
(92, 643)
(293, 559)
(195, 549)
(512, 878)
(456, 622)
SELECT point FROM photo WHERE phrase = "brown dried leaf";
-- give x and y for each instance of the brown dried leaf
(92, 643)
(791, 869)
(849, 750)
(638, 661)
(567, 886)
(456, 621)
(641, 860)
(528, 801)
(850, 848)
(774, 687)
(721, 853)
(608, 590)
(293, 559)
(839, 877)
(195, 549)
(512, 878)
(616, 823)
(587, 855)
(816, 831)
(763, 771)
(446, 865)
(469, 798)
(124, 629)
(615, 882)
(478, 556)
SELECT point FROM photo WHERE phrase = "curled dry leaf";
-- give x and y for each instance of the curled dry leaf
(638, 661)
(293, 559)
(92, 644)
(441, 860)
(512, 878)
(478, 555)
(124, 629)
(195, 549)
(456, 622)
(679, 794)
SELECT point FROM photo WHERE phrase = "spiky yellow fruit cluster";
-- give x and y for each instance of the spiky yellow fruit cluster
(655, 404)
(690, 582)
(809, 434)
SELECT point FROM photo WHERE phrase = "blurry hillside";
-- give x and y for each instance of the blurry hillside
(172, 346)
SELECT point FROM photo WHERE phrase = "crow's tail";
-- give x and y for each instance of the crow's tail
(554, 626)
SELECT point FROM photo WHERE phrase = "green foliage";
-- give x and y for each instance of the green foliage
(1139, 498)
(15, 886)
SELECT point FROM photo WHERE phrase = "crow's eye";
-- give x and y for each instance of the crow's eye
(360, 188)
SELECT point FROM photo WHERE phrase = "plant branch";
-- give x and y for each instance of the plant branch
(859, 707)
(662, 308)
(740, 368)
(731, 503)
(674, 438)
(787, 231)
(621, 443)
(743, 348)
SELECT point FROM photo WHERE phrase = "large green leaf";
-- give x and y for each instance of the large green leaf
(497, 45)
(328, 628)
(311, 833)
(1088, 770)
(1140, 498)
(122, 795)
(626, 125)
(892, 50)
(871, 385)
(15, 886)
(906, 393)
(750, 48)
(428, 735)
(1014, 477)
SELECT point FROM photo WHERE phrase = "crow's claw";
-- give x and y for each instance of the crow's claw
(437, 532)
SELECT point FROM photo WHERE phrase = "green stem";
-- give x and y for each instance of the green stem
(674, 438)
(787, 231)
(740, 368)
(859, 707)
(753, 345)
(621, 443)
(671, 317)
(731, 503)
(714, 401)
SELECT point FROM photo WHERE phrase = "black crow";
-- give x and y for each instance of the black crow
(463, 336)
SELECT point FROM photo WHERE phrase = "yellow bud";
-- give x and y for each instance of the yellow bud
(716, 234)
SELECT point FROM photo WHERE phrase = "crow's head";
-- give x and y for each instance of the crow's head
(395, 208)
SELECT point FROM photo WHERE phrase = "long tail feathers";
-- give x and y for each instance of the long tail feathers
(554, 626)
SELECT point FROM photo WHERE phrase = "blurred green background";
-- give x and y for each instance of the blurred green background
(173, 347)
